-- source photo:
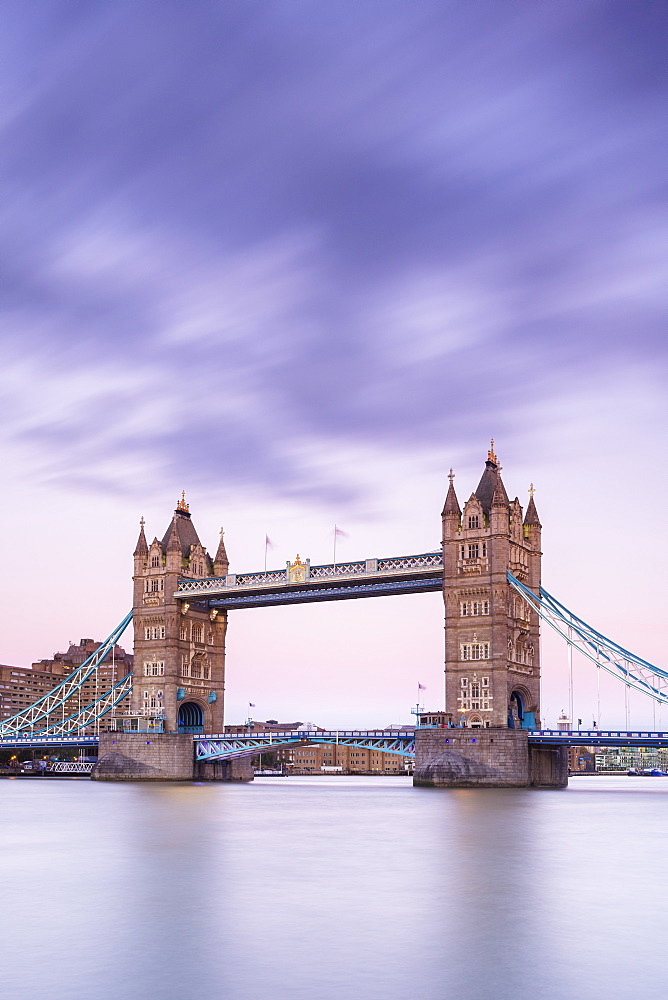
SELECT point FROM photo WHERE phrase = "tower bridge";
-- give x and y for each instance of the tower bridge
(165, 719)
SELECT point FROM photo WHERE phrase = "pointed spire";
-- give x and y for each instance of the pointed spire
(172, 539)
(142, 547)
(221, 562)
(531, 516)
(499, 497)
(491, 491)
(451, 502)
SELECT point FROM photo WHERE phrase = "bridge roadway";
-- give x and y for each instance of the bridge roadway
(220, 746)
(301, 583)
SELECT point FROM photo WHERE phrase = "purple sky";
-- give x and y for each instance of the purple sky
(299, 258)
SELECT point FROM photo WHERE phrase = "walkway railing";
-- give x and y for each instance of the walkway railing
(362, 569)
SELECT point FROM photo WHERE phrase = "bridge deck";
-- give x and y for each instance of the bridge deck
(303, 583)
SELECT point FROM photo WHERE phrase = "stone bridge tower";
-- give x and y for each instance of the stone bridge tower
(492, 662)
(179, 650)
(492, 655)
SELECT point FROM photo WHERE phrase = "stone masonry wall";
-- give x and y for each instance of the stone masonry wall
(486, 758)
(144, 757)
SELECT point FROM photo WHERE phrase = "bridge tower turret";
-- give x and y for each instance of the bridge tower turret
(179, 648)
(492, 665)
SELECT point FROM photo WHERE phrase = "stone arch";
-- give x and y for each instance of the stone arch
(519, 704)
(475, 722)
(191, 717)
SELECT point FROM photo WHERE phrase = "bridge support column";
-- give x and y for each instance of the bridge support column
(486, 758)
(144, 757)
(225, 770)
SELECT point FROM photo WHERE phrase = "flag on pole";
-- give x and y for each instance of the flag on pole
(338, 533)
(422, 687)
(268, 544)
(251, 704)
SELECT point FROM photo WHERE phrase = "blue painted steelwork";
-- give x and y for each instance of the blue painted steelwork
(45, 708)
(626, 666)
(303, 595)
(91, 713)
(227, 746)
(9, 743)
(300, 583)
(595, 737)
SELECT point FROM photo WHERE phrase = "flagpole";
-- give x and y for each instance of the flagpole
(335, 545)
(266, 542)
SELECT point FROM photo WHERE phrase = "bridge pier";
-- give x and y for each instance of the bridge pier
(160, 757)
(486, 758)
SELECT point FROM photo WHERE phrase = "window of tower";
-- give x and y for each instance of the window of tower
(155, 560)
(484, 549)
(473, 549)
(474, 521)
(198, 632)
(183, 631)
(474, 651)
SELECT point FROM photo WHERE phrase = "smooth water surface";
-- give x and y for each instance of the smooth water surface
(332, 888)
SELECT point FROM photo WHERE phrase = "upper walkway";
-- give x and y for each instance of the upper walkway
(300, 582)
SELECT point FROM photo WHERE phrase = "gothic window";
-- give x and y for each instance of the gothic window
(155, 560)
(195, 669)
(485, 682)
(154, 632)
(473, 549)
(464, 609)
(462, 550)
(474, 521)
(484, 549)
(198, 632)
(206, 673)
(154, 669)
(185, 666)
(183, 631)
(154, 585)
(464, 682)
(474, 651)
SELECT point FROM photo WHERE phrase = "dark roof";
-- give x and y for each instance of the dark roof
(142, 547)
(490, 483)
(182, 526)
(451, 502)
(531, 516)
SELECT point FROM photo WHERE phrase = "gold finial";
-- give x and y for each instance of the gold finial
(182, 505)
(451, 476)
(221, 531)
(297, 561)
(531, 490)
(142, 522)
(491, 457)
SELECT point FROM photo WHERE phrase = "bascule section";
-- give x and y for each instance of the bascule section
(179, 647)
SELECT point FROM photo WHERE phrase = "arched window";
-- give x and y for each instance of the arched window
(198, 632)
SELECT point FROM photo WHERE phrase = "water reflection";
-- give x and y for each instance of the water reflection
(343, 888)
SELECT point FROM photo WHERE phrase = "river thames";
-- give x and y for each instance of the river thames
(333, 888)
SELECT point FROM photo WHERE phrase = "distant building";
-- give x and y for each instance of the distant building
(324, 757)
(21, 686)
